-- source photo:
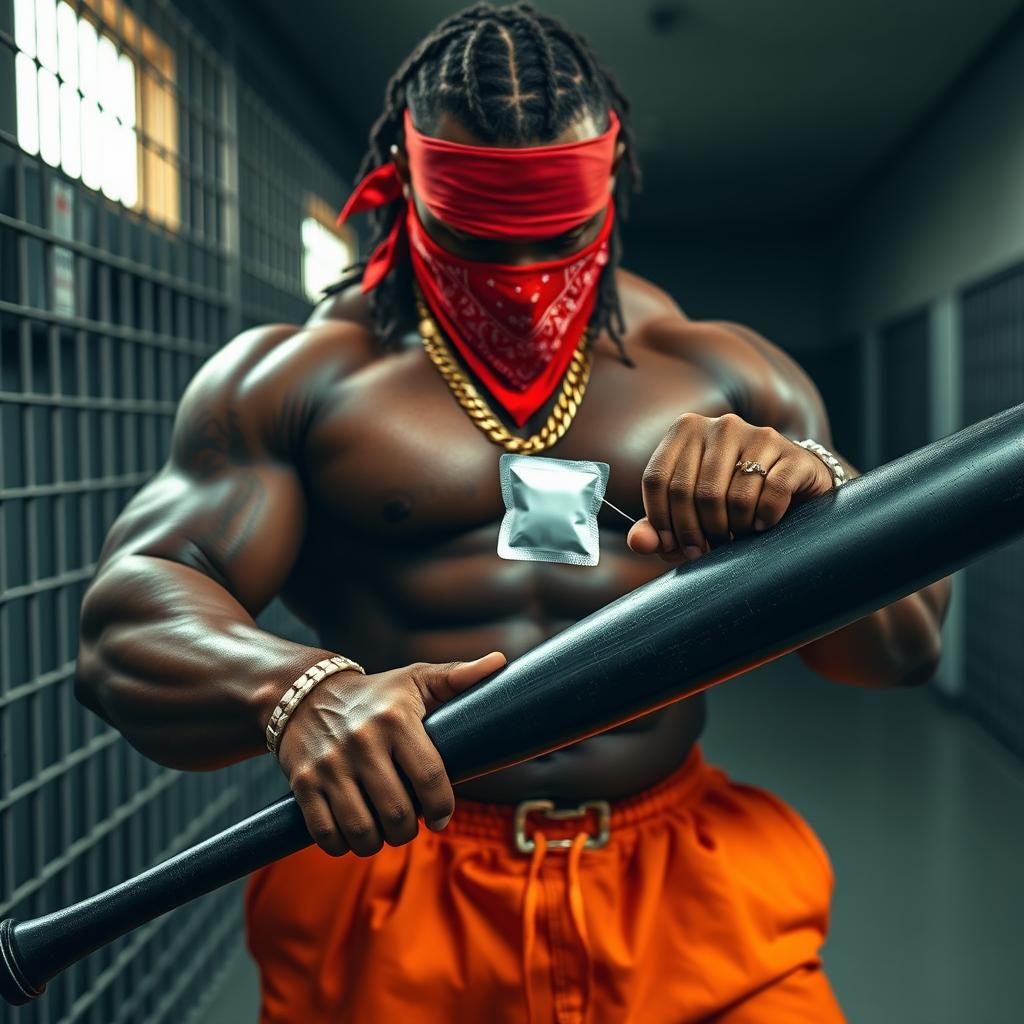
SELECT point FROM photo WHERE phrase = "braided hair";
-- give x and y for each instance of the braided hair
(512, 75)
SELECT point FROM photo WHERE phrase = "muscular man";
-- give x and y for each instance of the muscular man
(333, 464)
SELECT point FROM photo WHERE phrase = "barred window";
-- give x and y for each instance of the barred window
(96, 97)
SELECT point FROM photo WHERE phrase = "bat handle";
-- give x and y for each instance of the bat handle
(34, 951)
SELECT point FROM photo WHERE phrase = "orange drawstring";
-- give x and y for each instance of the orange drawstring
(529, 917)
(575, 907)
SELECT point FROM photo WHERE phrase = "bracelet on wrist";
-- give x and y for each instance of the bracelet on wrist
(835, 467)
(292, 697)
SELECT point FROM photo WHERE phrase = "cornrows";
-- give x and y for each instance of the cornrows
(512, 76)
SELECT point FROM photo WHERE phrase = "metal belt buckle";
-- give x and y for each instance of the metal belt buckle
(525, 844)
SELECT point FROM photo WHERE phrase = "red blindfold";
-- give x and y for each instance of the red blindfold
(491, 191)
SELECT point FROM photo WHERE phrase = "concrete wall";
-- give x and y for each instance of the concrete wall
(948, 209)
(777, 285)
(945, 210)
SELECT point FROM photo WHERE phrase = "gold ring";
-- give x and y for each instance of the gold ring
(751, 467)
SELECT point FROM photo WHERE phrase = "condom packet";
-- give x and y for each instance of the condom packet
(551, 508)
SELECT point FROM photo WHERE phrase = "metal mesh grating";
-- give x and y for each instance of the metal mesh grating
(87, 399)
(277, 174)
(993, 376)
(905, 387)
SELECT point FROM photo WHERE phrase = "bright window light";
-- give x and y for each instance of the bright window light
(129, 184)
(46, 34)
(126, 90)
(87, 59)
(325, 254)
(70, 131)
(92, 145)
(78, 101)
(67, 44)
(106, 70)
(28, 104)
(49, 118)
(25, 26)
(110, 133)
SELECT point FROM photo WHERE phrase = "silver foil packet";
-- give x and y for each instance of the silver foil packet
(551, 508)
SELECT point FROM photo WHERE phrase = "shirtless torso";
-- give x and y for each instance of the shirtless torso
(314, 463)
(399, 561)
(311, 463)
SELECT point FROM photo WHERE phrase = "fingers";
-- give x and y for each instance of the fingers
(696, 520)
(413, 751)
(336, 812)
(695, 495)
(745, 490)
(777, 492)
(742, 499)
(416, 755)
(467, 673)
(439, 683)
(421, 762)
(320, 820)
(681, 447)
(643, 537)
(356, 799)
(370, 802)
(348, 779)
(725, 506)
(355, 820)
(390, 802)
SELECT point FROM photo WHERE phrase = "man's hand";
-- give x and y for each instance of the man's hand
(696, 498)
(348, 741)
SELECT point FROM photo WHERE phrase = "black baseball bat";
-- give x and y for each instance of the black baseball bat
(829, 562)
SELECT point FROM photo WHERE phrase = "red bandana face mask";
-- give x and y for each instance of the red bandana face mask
(515, 326)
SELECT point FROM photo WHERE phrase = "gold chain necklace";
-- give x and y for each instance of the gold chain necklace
(569, 398)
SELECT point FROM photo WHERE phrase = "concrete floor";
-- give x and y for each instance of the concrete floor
(923, 814)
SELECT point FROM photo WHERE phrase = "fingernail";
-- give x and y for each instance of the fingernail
(758, 524)
(692, 551)
(436, 826)
(668, 542)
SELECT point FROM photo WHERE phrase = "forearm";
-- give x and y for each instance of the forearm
(897, 645)
(178, 666)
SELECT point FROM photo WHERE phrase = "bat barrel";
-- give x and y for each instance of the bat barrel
(827, 563)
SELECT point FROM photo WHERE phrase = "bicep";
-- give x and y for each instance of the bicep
(221, 505)
(775, 390)
(230, 501)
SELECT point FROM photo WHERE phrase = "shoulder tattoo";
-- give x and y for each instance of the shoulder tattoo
(213, 443)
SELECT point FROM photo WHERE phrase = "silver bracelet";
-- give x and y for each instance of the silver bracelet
(835, 466)
(294, 694)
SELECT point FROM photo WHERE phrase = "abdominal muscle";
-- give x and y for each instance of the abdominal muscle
(412, 607)
(610, 766)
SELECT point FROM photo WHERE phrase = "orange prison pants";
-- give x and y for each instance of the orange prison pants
(709, 903)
